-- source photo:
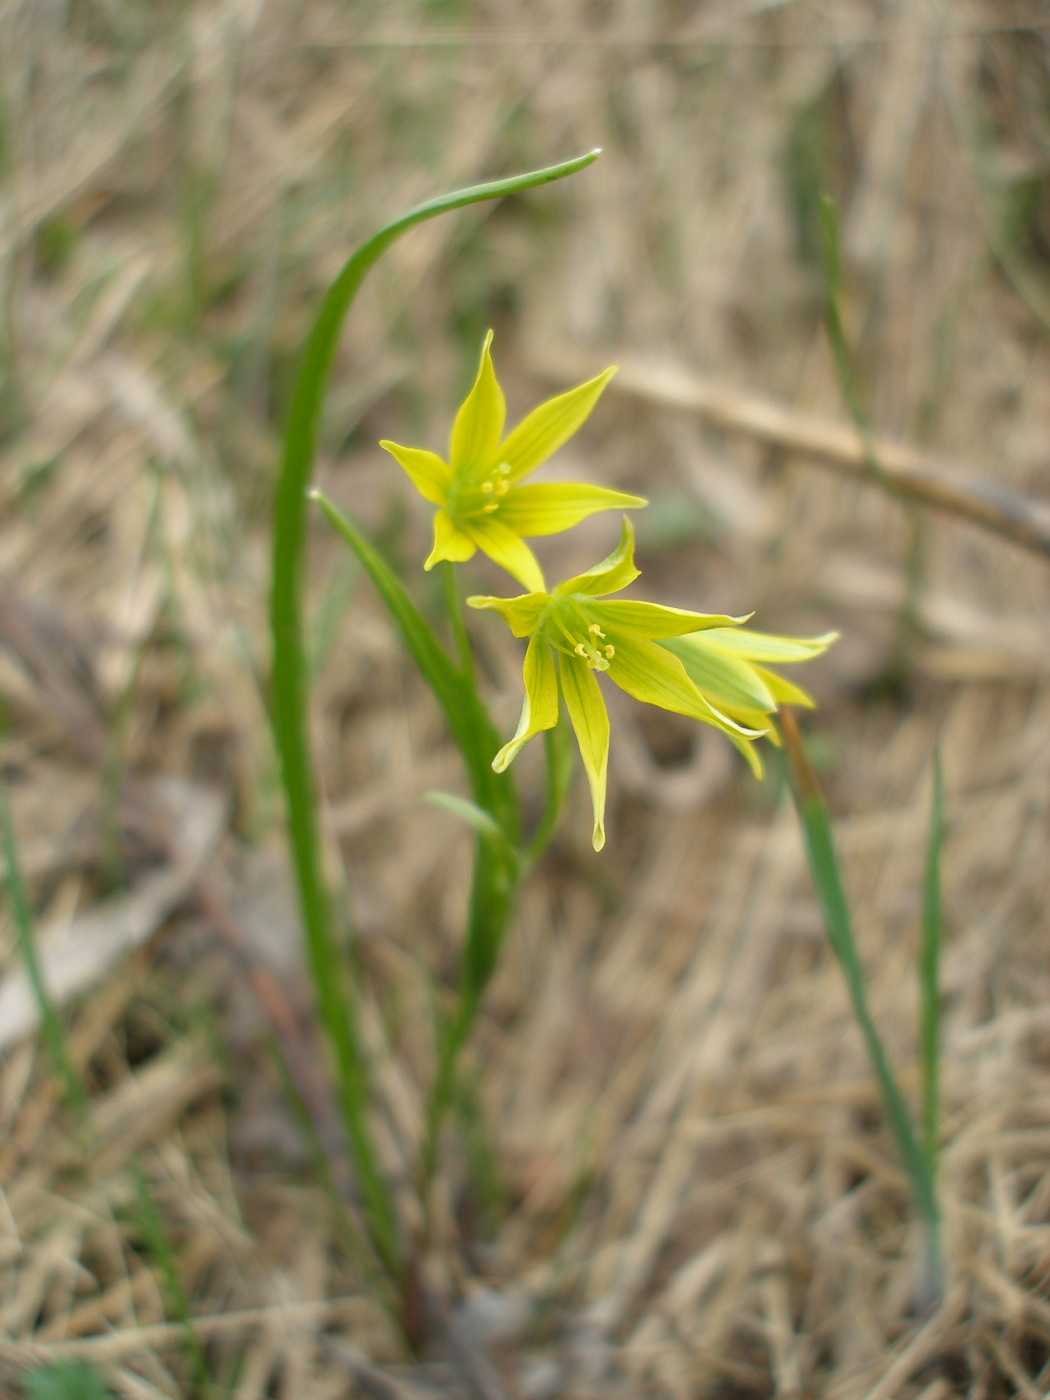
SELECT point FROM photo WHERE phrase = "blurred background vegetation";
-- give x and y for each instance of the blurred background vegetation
(673, 1177)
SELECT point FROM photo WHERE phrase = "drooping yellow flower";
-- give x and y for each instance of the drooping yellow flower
(481, 504)
(574, 634)
(696, 664)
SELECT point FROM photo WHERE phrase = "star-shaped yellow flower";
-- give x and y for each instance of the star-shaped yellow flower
(574, 635)
(480, 502)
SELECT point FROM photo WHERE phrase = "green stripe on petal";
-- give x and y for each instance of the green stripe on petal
(547, 508)
(728, 681)
(649, 672)
(765, 646)
(653, 620)
(479, 423)
(449, 543)
(522, 615)
(590, 721)
(541, 432)
(539, 709)
(426, 471)
(506, 549)
(614, 572)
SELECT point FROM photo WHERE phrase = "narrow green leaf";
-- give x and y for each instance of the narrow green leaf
(469, 812)
(827, 880)
(929, 971)
(163, 1256)
(25, 926)
(455, 692)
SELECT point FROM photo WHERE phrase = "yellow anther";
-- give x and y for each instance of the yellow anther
(610, 651)
(492, 505)
(502, 486)
(504, 468)
(595, 630)
(487, 488)
(592, 658)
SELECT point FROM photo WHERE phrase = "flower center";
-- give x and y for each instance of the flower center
(597, 657)
(484, 497)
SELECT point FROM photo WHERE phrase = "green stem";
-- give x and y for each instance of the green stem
(557, 754)
(455, 1035)
(289, 686)
(827, 880)
(454, 608)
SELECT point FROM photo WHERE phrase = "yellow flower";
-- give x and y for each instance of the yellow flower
(480, 502)
(696, 664)
(574, 635)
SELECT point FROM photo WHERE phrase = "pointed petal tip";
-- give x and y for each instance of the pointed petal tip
(598, 838)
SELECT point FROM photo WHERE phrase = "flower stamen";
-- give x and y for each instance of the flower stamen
(594, 660)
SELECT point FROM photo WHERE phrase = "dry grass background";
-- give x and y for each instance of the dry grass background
(676, 1180)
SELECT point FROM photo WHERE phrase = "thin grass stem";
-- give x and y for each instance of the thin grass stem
(851, 388)
(163, 1256)
(929, 972)
(827, 880)
(25, 926)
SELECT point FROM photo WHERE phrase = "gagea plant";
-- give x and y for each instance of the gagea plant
(709, 667)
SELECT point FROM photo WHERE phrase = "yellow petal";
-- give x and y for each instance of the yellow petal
(539, 709)
(767, 646)
(449, 543)
(728, 681)
(479, 422)
(590, 720)
(522, 615)
(650, 673)
(427, 472)
(652, 620)
(543, 431)
(547, 508)
(506, 549)
(614, 572)
(785, 691)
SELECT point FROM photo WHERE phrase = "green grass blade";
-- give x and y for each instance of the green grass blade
(929, 972)
(827, 880)
(851, 387)
(163, 1256)
(51, 1025)
(845, 366)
